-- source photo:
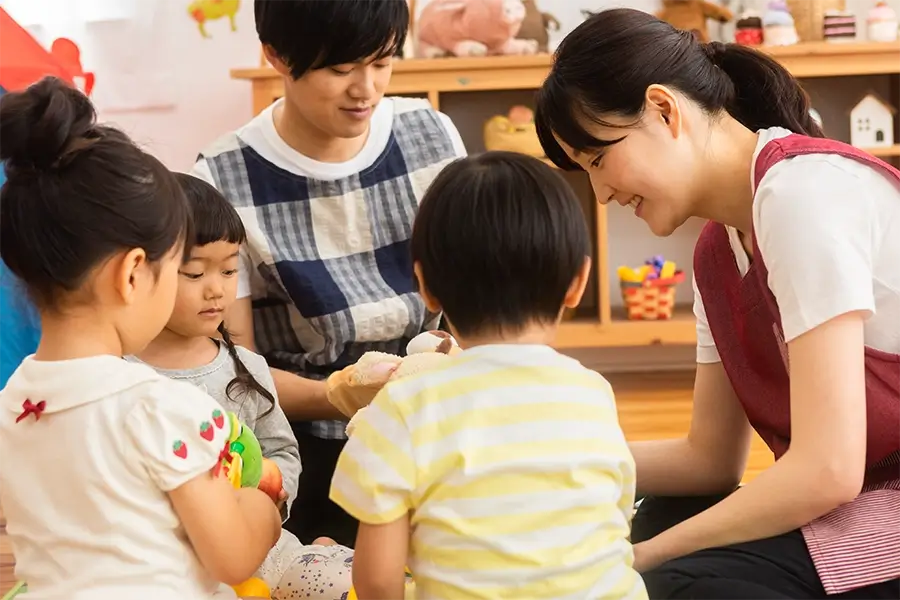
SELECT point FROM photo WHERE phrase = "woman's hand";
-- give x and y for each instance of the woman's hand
(646, 556)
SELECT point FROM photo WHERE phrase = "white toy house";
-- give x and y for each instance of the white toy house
(872, 123)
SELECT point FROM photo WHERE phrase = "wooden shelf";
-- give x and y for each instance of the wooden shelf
(602, 326)
(885, 152)
(441, 75)
(620, 332)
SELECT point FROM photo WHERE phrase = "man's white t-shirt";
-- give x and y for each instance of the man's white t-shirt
(84, 486)
(828, 228)
(261, 135)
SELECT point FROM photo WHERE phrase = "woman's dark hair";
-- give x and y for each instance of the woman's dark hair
(499, 236)
(215, 220)
(606, 64)
(77, 192)
(313, 34)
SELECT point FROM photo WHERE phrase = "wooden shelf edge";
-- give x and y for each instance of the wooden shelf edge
(806, 59)
(681, 329)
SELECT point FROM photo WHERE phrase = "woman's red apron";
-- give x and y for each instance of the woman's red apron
(857, 544)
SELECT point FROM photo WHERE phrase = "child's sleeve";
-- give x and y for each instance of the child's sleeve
(177, 432)
(375, 474)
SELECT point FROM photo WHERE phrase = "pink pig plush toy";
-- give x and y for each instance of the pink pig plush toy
(472, 28)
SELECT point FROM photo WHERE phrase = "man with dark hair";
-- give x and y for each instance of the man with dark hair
(327, 181)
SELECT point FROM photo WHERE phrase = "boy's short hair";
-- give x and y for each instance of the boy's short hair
(500, 237)
(313, 34)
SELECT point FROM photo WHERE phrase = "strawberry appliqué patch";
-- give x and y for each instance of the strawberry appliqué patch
(218, 418)
(179, 448)
(206, 431)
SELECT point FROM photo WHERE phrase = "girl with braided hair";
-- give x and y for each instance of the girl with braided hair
(195, 347)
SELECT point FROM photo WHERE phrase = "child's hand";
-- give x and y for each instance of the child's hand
(218, 518)
(282, 498)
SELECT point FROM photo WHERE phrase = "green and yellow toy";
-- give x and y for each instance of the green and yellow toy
(245, 466)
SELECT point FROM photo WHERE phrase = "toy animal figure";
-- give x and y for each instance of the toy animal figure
(514, 132)
(691, 15)
(537, 25)
(472, 28)
(209, 10)
(353, 388)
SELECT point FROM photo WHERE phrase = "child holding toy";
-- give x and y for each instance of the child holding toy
(195, 347)
(501, 473)
(109, 488)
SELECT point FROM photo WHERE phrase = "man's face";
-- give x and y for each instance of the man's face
(339, 100)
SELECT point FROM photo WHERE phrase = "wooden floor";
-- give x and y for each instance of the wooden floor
(651, 406)
(657, 406)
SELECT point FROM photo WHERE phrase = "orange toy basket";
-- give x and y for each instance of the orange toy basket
(651, 300)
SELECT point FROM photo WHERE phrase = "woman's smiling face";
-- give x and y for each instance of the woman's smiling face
(651, 170)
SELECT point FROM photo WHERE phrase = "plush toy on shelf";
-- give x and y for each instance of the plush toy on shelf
(649, 290)
(513, 132)
(691, 15)
(748, 29)
(881, 23)
(472, 28)
(778, 25)
(537, 26)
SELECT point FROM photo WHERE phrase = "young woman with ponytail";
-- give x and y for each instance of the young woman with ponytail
(797, 299)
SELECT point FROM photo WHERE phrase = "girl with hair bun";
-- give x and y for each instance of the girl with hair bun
(114, 492)
(797, 300)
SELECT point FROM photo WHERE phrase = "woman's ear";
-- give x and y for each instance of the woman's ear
(661, 107)
(431, 303)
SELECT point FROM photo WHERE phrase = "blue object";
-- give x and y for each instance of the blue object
(20, 327)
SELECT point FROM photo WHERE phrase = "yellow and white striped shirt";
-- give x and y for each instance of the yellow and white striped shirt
(514, 470)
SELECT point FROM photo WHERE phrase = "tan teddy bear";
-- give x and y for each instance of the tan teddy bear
(691, 15)
(353, 388)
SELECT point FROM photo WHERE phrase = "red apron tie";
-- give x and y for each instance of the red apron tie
(29, 408)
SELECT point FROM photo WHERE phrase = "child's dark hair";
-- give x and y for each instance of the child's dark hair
(215, 220)
(606, 64)
(499, 237)
(77, 192)
(314, 34)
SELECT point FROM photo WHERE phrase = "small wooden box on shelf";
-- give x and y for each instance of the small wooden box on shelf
(607, 326)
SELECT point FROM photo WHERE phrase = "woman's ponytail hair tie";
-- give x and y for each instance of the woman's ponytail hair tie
(715, 52)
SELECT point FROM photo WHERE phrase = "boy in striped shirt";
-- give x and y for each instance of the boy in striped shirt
(504, 473)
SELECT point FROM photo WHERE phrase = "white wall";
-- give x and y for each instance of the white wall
(156, 76)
